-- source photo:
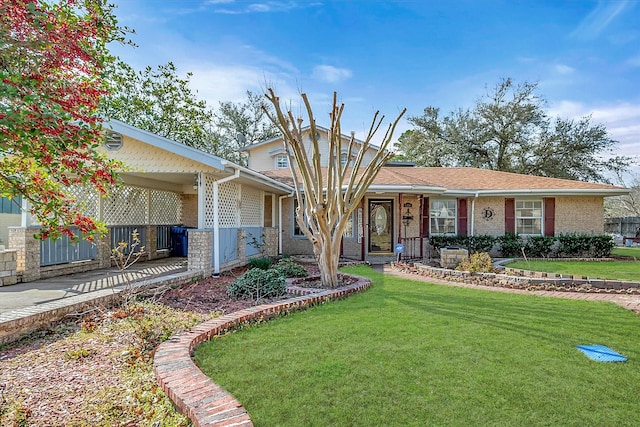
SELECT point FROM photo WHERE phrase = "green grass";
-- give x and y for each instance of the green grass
(621, 270)
(408, 353)
(633, 251)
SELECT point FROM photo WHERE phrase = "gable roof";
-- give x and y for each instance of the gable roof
(224, 166)
(472, 181)
(304, 129)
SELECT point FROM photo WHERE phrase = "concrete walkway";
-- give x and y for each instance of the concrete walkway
(39, 292)
(630, 302)
(27, 307)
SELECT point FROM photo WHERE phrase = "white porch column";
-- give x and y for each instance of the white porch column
(201, 200)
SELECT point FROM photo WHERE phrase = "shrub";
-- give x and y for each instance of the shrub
(257, 283)
(287, 267)
(539, 246)
(480, 262)
(480, 243)
(510, 245)
(602, 245)
(263, 263)
(574, 245)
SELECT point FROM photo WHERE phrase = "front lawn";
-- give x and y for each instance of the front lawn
(408, 353)
(620, 270)
(632, 252)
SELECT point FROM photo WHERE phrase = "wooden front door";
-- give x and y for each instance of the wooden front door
(381, 226)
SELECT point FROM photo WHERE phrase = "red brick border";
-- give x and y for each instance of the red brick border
(195, 395)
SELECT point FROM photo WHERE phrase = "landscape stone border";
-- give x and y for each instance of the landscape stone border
(195, 394)
(525, 279)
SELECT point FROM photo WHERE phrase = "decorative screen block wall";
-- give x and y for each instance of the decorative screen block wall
(87, 199)
(165, 208)
(251, 207)
(128, 205)
(239, 205)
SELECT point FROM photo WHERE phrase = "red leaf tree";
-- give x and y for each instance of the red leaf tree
(52, 58)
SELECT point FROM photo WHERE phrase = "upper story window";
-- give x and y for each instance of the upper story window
(529, 216)
(442, 215)
(344, 159)
(282, 161)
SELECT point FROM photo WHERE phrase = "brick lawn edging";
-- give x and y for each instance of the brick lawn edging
(16, 323)
(195, 394)
(524, 279)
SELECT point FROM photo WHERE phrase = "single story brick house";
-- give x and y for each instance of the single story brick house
(408, 204)
(235, 212)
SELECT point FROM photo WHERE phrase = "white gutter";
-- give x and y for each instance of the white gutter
(556, 192)
(216, 222)
(258, 177)
(473, 216)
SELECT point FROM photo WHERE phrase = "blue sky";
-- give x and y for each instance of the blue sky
(386, 55)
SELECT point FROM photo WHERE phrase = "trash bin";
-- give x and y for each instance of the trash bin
(179, 241)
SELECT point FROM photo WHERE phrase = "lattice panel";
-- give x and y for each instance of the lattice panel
(208, 201)
(251, 207)
(165, 208)
(126, 206)
(228, 196)
(87, 199)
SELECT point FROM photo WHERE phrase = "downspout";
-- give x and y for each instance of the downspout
(216, 222)
(473, 216)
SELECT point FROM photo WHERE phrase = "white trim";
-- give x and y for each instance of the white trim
(216, 221)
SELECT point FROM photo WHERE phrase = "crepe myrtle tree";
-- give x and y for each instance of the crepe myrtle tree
(52, 57)
(326, 197)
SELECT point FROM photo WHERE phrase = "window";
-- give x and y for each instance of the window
(443, 216)
(348, 231)
(529, 216)
(344, 158)
(297, 232)
(282, 161)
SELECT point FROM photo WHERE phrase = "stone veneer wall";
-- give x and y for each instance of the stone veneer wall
(200, 243)
(270, 247)
(8, 267)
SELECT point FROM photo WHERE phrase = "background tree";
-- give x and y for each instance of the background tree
(159, 101)
(625, 206)
(509, 130)
(326, 198)
(243, 123)
(51, 60)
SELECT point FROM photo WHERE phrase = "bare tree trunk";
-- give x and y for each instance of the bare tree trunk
(327, 200)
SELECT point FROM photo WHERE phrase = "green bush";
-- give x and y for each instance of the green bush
(287, 267)
(257, 283)
(602, 245)
(510, 245)
(539, 246)
(263, 263)
(480, 243)
(480, 262)
(574, 245)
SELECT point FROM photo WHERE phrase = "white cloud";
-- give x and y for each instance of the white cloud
(622, 121)
(599, 19)
(564, 69)
(330, 74)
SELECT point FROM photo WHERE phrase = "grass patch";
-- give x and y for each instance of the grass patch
(632, 252)
(407, 353)
(620, 270)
